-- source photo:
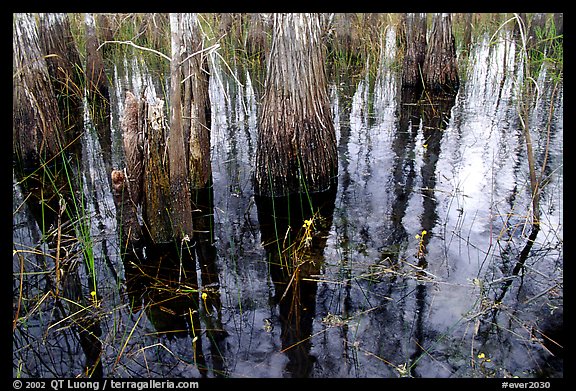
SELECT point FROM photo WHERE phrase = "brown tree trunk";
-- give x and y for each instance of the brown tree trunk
(65, 70)
(165, 170)
(296, 149)
(177, 153)
(42, 130)
(523, 20)
(558, 19)
(347, 35)
(440, 66)
(196, 104)
(537, 25)
(133, 134)
(467, 40)
(105, 27)
(40, 139)
(257, 35)
(37, 128)
(415, 31)
(126, 213)
(157, 201)
(147, 183)
(96, 81)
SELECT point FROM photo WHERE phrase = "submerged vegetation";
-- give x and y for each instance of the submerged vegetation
(391, 272)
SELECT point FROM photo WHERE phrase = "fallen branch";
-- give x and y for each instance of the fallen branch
(130, 43)
(137, 47)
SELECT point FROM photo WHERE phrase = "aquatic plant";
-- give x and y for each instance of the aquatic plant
(421, 246)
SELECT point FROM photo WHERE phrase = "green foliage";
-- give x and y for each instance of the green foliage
(547, 48)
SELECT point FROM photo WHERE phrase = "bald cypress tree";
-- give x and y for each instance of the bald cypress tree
(296, 149)
(440, 66)
(37, 128)
(415, 53)
(167, 167)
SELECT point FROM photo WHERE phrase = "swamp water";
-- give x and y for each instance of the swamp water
(412, 246)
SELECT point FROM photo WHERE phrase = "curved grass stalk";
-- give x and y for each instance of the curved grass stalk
(127, 340)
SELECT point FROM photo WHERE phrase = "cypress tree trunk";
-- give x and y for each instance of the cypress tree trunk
(156, 198)
(132, 133)
(96, 81)
(296, 149)
(177, 153)
(165, 170)
(558, 19)
(415, 30)
(126, 213)
(536, 26)
(65, 71)
(467, 40)
(257, 35)
(97, 87)
(147, 183)
(40, 139)
(440, 67)
(37, 126)
(196, 104)
(42, 130)
(105, 28)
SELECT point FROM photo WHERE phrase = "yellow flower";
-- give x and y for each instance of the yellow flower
(424, 232)
(94, 299)
(481, 355)
(204, 297)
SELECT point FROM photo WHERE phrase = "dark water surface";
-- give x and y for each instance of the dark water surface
(414, 243)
